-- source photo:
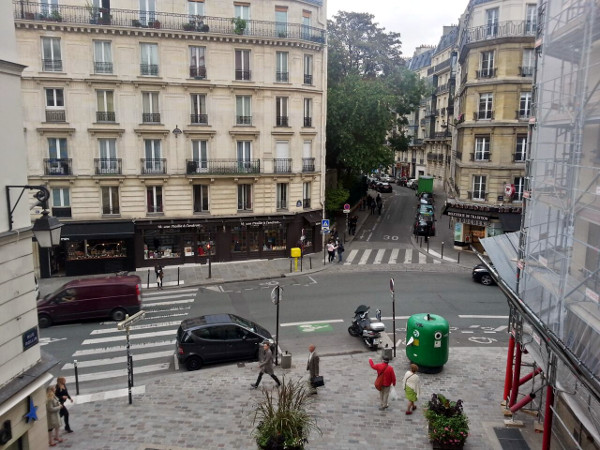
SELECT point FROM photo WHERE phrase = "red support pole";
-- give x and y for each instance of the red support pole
(524, 401)
(529, 376)
(509, 366)
(548, 418)
(516, 375)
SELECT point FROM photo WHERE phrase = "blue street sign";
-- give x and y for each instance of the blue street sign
(325, 223)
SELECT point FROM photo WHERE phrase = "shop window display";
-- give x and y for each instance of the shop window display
(238, 240)
(96, 249)
(274, 238)
(306, 241)
(161, 245)
(202, 244)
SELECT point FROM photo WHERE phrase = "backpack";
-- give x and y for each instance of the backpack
(341, 247)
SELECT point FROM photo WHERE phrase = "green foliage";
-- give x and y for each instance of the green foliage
(448, 424)
(239, 25)
(283, 417)
(335, 199)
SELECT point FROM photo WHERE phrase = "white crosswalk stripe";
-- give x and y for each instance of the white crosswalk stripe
(371, 256)
(379, 256)
(351, 256)
(394, 256)
(365, 256)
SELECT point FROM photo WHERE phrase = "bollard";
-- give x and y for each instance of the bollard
(442, 252)
(291, 268)
(148, 285)
(301, 259)
(178, 276)
(76, 377)
(310, 262)
(420, 241)
(458, 258)
(427, 245)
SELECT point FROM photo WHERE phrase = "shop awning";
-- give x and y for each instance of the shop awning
(314, 217)
(510, 221)
(98, 230)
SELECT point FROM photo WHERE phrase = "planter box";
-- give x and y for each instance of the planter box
(440, 446)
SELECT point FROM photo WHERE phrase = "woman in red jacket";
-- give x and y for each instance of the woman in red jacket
(389, 379)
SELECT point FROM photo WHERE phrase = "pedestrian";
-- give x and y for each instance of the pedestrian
(373, 206)
(266, 366)
(52, 409)
(412, 387)
(353, 222)
(331, 250)
(312, 366)
(388, 379)
(340, 251)
(379, 203)
(159, 275)
(63, 395)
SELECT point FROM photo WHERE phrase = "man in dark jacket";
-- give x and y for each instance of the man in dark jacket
(266, 366)
(389, 380)
(312, 366)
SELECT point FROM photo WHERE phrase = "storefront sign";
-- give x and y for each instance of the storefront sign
(261, 222)
(458, 231)
(467, 217)
(30, 338)
(174, 226)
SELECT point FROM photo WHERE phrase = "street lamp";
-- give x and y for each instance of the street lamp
(176, 131)
(46, 229)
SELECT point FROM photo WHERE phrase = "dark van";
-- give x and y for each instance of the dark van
(92, 298)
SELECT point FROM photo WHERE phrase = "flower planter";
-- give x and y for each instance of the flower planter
(440, 446)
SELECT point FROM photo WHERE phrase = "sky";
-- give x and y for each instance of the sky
(418, 22)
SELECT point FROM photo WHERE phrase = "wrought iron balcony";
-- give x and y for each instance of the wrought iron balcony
(105, 116)
(154, 166)
(282, 165)
(526, 71)
(484, 156)
(199, 118)
(55, 115)
(110, 166)
(308, 164)
(308, 121)
(497, 31)
(483, 115)
(243, 75)
(282, 77)
(24, 10)
(486, 73)
(198, 72)
(57, 166)
(61, 211)
(222, 166)
(308, 79)
(243, 120)
(103, 67)
(110, 210)
(523, 114)
(151, 117)
(306, 203)
(149, 69)
(282, 121)
(52, 65)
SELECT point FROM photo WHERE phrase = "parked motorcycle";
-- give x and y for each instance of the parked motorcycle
(368, 328)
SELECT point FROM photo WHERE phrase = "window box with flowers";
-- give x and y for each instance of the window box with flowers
(448, 424)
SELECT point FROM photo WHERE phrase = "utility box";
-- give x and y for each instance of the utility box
(296, 252)
(427, 341)
(286, 360)
(425, 184)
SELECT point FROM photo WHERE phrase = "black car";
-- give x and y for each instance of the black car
(217, 338)
(384, 187)
(426, 198)
(401, 181)
(424, 225)
(482, 275)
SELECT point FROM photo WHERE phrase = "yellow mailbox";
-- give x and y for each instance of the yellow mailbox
(296, 252)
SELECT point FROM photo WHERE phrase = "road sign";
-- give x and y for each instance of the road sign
(275, 297)
(347, 207)
(391, 285)
(325, 223)
(131, 320)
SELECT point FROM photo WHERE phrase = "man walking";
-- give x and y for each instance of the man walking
(159, 275)
(266, 366)
(313, 367)
(388, 380)
(340, 250)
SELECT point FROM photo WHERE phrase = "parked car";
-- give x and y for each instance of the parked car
(425, 209)
(426, 198)
(385, 178)
(424, 225)
(401, 181)
(411, 183)
(219, 337)
(384, 187)
(91, 298)
(482, 275)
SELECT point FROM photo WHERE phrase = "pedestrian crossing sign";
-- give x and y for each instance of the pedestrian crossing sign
(325, 224)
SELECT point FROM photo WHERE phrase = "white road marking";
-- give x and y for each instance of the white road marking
(397, 318)
(119, 359)
(122, 348)
(122, 337)
(313, 281)
(369, 237)
(159, 293)
(154, 300)
(379, 256)
(502, 328)
(145, 326)
(173, 302)
(394, 256)
(169, 315)
(467, 332)
(469, 316)
(408, 256)
(118, 373)
(295, 324)
(365, 256)
(351, 257)
(107, 395)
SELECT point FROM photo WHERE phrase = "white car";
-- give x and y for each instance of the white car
(411, 183)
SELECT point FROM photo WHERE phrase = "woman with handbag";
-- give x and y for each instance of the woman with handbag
(412, 387)
(63, 395)
(52, 408)
(386, 378)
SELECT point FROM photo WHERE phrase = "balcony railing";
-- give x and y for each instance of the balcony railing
(55, 115)
(487, 156)
(222, 166)
(151, 117)
(282, 121)
(308, 164)
(486, 73)
(519, 157)
(483, 115)
(476, 195)
(496, 31)
(308, 79)
(522, 114)
(57, 166)
(24, 10)
(306, 203)
(199, 118)
(103, 67)
(154, 166)
(243, 75)
(282, 77)
(198, 72)
(282, 165)
(149, 69)
(105, 116)
(243, 120)
(108, 166)
(526, 71)
(308, 121)
(108, 210)
(52, 65)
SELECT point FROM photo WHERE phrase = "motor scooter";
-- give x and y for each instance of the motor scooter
(368, 328)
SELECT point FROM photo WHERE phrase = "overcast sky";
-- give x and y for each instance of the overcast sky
(418, 22)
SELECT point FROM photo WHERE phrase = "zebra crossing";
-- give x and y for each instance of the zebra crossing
(369, 256)
(102, 355)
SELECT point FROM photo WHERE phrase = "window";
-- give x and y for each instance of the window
(281, 21)
(154, 200)
(153, 163)
(58, 158)
(308, 112)
(531, 19)
(198, 114)
(108, 162)
(308, 69)
(244, 197)
(519, 187)
(150, 112)
(525, 105)
(200, 198)
(106, 106)
(308, 162)
(149, 59)
(242, 65)
(306, 24)
(243, 110)
(306, 189)
(61, 202)
(274, 237)
(479, 187)
(199, 161)
(51, 56)
(110, 200)
(282, 195)
(147, 12)
(195, 8)
(282, 74)
(281, 106)
(482, 148)
(487, 65)
(197, 63)
(521, 149)
(55, 105)
(491, 19)
(528, 64)
(48, 7)
(282, 162)
(242, 11)
(103, 57)
(485, 106)
(244, 156)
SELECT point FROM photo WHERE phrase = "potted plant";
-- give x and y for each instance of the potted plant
(239, 25)
(203, 28)
(282, 417)
(448, 424)
(190, 26)
(55, 15)
(136, 23)
(155, 24)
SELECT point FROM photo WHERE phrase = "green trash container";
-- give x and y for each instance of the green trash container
(427, 341)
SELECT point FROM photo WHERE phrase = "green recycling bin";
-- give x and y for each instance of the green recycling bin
(427, 341)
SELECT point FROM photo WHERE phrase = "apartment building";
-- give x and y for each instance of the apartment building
(171, 131)
(23, 366)
(492, 110)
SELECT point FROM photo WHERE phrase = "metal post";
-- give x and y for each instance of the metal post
(516, 375)
(393, 312)
(277, 328)
(301, 259)
(209, 253)
(427, 245)
(76, 377)
(148, 285)
(347, 214)
(458, 257)
(310, 262)
(442, 250)
(178, 276)
(129, 365)
(508, 373)
(291, 266)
